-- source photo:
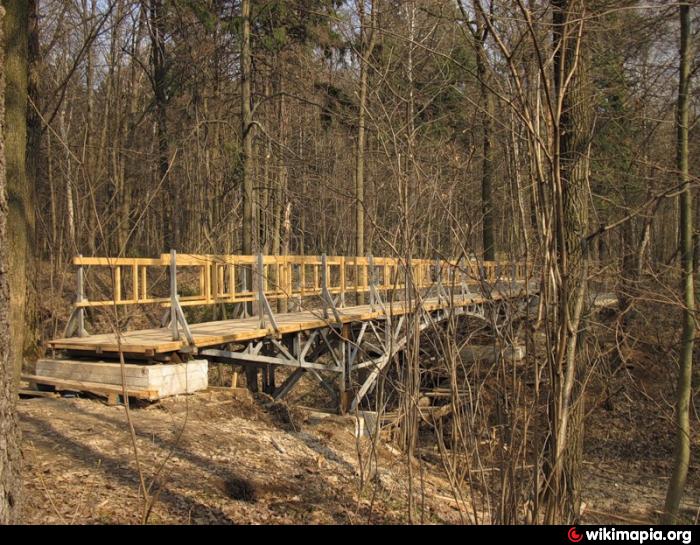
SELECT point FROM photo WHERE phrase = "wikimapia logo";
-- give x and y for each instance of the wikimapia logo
(636, 536)
(573, 535)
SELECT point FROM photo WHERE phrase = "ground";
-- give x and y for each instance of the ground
(629, 448)
(242, 460)
(236, 462)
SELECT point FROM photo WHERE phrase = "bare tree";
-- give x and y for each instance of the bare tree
(368, 36)
(156, 11)
(9, 431)
(250, 227)
(21, 211)
(685, 226)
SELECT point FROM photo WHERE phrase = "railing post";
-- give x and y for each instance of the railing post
(341, 302)
(370, 281)
(177, 315)
(80, 299)
(261, 290)
(324, 286)
(173, 296)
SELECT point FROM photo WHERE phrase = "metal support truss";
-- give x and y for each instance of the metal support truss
(177, 316)
(465, 292)
(336, 356)
(437, 287)
(76, 321)
(395, 342)
(374, 297)
(328, 302)
(264, 309)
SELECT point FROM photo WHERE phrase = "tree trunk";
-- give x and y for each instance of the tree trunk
(9, 431)
(487, 159)
(247, 133)
(21, 208)
(250, 226)
(68, 188)
(33, 159)
(367, 42)
(570, 223)
(157, 29)
(682, 451)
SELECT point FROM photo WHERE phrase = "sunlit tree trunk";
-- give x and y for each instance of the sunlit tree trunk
(367, 41)
(570, 167)
(247, 131)
(21, 207)
(250, 225)
(33, 159)
(160, 71)
(486, 103)
(682, 451)
(9, 431)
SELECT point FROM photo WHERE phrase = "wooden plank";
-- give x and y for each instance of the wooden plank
(220, 332)
(135, 283)
(165, 380)
(117, 284)
(144, 283)
(82, 386)
(101, 372)
(109, 303)
(207, 281)
(117, 261)
(220, 280)
(35, 393)
(232, 281)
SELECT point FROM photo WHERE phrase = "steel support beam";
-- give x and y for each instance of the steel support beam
(76, 321)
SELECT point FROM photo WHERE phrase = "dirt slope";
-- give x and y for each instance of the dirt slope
(236, 462)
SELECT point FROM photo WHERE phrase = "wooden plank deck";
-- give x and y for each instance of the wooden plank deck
(150, 342)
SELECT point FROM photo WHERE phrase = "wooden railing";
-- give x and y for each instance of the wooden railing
(236, 278)
(214, 279)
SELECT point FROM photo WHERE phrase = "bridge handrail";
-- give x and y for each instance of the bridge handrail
(222, 278)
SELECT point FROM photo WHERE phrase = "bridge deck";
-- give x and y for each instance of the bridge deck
(149, 342)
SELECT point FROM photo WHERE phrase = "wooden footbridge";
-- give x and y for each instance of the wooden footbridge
(338, 319)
